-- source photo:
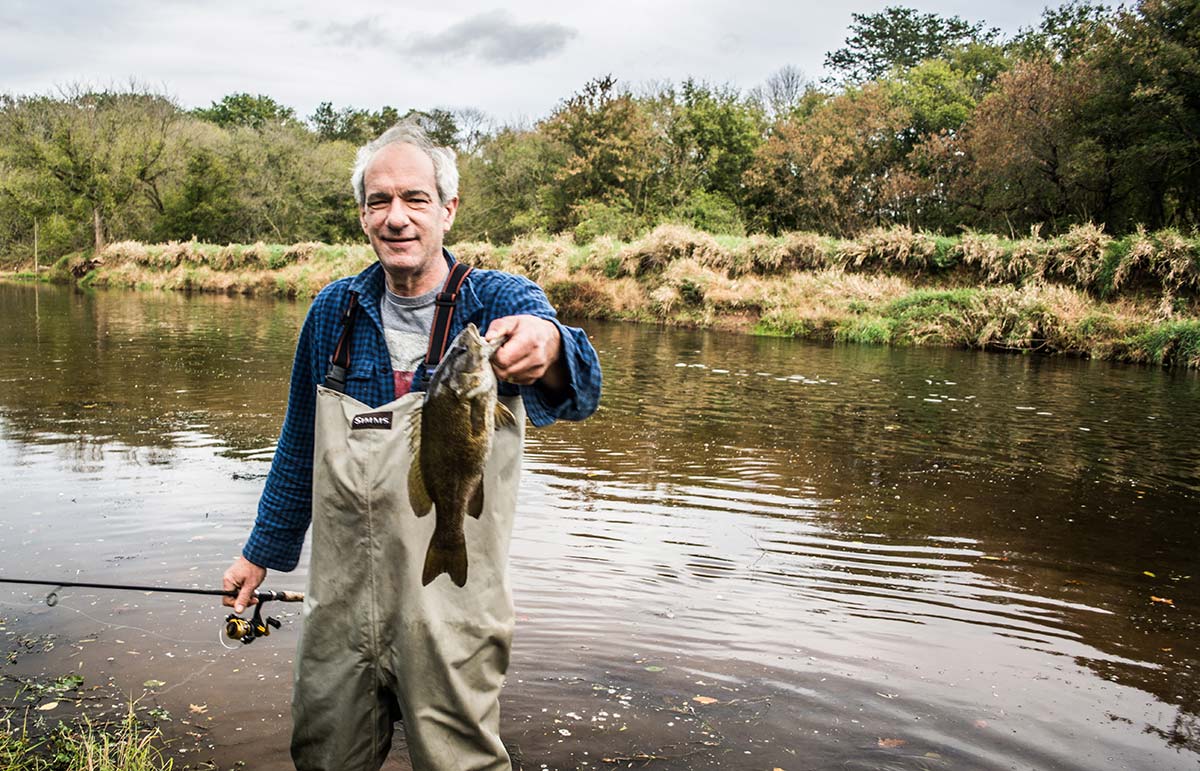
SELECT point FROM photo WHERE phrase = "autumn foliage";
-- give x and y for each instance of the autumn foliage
(936, 124)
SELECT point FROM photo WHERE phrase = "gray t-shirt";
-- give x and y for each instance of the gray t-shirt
(407, 322)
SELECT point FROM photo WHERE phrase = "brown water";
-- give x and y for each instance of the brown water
(868, 558)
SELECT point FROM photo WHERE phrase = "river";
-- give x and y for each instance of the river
(759, 553)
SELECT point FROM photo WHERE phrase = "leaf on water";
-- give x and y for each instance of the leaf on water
(198, 709)
(154, 683)
(67, 682)
(1163, 600)
(891, 744)
(704, 700)
(654, 669)
(48, 706)
(1148, 573)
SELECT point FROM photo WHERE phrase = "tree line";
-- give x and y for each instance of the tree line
(1092, 114)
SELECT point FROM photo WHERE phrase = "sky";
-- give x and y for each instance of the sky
(514, 61)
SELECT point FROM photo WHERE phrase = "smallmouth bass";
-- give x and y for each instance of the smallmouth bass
(451, 449)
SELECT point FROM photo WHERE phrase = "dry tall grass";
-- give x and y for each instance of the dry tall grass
(1083, 292)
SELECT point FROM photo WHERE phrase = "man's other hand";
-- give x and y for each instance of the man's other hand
(532, 352)
(244, 576)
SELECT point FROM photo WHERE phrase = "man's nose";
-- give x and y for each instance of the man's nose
(397, 215)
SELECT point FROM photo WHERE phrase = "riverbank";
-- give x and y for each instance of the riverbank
(30, 741)
(1083, 293)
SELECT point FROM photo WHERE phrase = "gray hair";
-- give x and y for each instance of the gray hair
(408, 132)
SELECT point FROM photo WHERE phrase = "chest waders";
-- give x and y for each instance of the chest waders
(377, 645)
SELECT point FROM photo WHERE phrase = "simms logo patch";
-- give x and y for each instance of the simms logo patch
(372, 420)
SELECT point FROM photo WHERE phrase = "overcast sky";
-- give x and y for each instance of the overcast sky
(514, 61)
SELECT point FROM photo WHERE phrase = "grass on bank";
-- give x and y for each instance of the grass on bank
(126, 745)
(1131, 298)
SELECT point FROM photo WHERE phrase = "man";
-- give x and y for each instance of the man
(378, 645)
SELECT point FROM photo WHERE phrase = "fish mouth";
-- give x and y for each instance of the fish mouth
(491, 346)
(487, 348)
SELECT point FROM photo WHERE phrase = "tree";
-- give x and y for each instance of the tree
(938, 98)
(1066, 32)
(1146, 112)
(100, 148)
(783, 93)
(506, 185)
(29, 197)
(829, 172)
(206, 205)
(716, 133)
(358, 126)
(251, 110)
(603, 133)
(474, 127)
(900, 37)
(1031, 159)
(347, 124)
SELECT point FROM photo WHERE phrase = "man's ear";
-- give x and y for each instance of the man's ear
(362, 219)
(451, 208)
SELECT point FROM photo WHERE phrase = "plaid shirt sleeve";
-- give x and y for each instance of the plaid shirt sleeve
(505, 294)
(285, 508)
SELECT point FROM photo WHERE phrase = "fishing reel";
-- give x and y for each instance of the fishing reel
(238, 628)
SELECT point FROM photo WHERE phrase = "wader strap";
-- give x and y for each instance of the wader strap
(443, 312)
(339, 362)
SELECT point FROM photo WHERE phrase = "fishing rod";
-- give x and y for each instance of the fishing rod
(236, 627)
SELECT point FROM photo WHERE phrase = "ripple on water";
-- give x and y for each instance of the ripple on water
(858, 543)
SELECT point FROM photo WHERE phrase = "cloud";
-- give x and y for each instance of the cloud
(367, 31)
(494, 37)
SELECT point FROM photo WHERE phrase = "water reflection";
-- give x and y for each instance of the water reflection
(953, 550)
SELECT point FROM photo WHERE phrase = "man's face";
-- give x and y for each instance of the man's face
(402, 215)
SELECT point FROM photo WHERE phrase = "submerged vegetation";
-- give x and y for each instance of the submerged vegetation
(1084, 292)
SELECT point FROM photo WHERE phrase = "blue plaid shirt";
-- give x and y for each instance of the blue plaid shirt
(285, 509)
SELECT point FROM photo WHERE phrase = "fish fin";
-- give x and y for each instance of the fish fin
(440, 560)
(478, 418)
(504, 416)
(475, 507)
(418, 494)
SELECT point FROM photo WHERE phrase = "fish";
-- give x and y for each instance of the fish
(450, 449)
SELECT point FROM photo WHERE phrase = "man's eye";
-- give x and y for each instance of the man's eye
(377, 204)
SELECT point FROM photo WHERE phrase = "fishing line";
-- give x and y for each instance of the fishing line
(202, 644)
(221, 640)
(115, 626)
(111, 625)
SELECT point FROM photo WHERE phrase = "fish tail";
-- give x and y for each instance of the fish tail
(443, 558)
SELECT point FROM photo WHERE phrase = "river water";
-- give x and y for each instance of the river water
(758, 554)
